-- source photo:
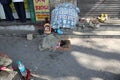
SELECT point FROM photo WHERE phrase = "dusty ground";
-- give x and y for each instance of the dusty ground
(89, 59)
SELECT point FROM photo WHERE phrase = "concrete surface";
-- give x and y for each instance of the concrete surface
(89, 59)
(109, 29)
(110, 32)
(18, 27)
(113, 21)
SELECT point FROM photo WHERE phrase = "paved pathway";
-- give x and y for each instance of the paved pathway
(89, 59)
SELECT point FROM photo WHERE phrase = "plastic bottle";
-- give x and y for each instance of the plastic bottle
(22, 69)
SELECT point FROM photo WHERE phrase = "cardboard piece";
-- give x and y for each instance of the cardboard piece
(66, 45)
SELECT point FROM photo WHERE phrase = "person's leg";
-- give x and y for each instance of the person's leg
(16, 5)
(8, 12)
(20, 8)
(23, 13)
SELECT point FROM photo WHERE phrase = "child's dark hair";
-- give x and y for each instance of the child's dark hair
(62, 43)
(47, 20)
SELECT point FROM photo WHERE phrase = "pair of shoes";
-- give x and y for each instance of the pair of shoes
(10, 21)
(23, 21)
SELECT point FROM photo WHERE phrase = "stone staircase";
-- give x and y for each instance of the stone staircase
(93, 8)
(109, 29)
(96, 7)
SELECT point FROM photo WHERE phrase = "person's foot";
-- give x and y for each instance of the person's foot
(10, 20)
(23, 21)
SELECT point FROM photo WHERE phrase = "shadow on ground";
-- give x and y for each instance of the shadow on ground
(81, 63)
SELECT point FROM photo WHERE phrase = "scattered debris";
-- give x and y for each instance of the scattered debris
(88, 22)
(103, 17)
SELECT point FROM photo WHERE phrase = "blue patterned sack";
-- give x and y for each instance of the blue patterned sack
(64, 15)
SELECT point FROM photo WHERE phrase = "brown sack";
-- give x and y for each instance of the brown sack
(4, 60)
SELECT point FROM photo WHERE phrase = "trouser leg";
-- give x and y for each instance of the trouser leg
(20, 8)
(8, 12)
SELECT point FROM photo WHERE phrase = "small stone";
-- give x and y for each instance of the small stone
(29, 36)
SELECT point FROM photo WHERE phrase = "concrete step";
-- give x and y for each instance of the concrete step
(94, 34)
(105, 30)
(16, 22)
(113, 21)
(71, 34)
(110, 24)
(96, 7)
(98, 1)
(18, 28)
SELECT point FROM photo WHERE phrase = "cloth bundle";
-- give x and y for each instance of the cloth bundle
(64, 15)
